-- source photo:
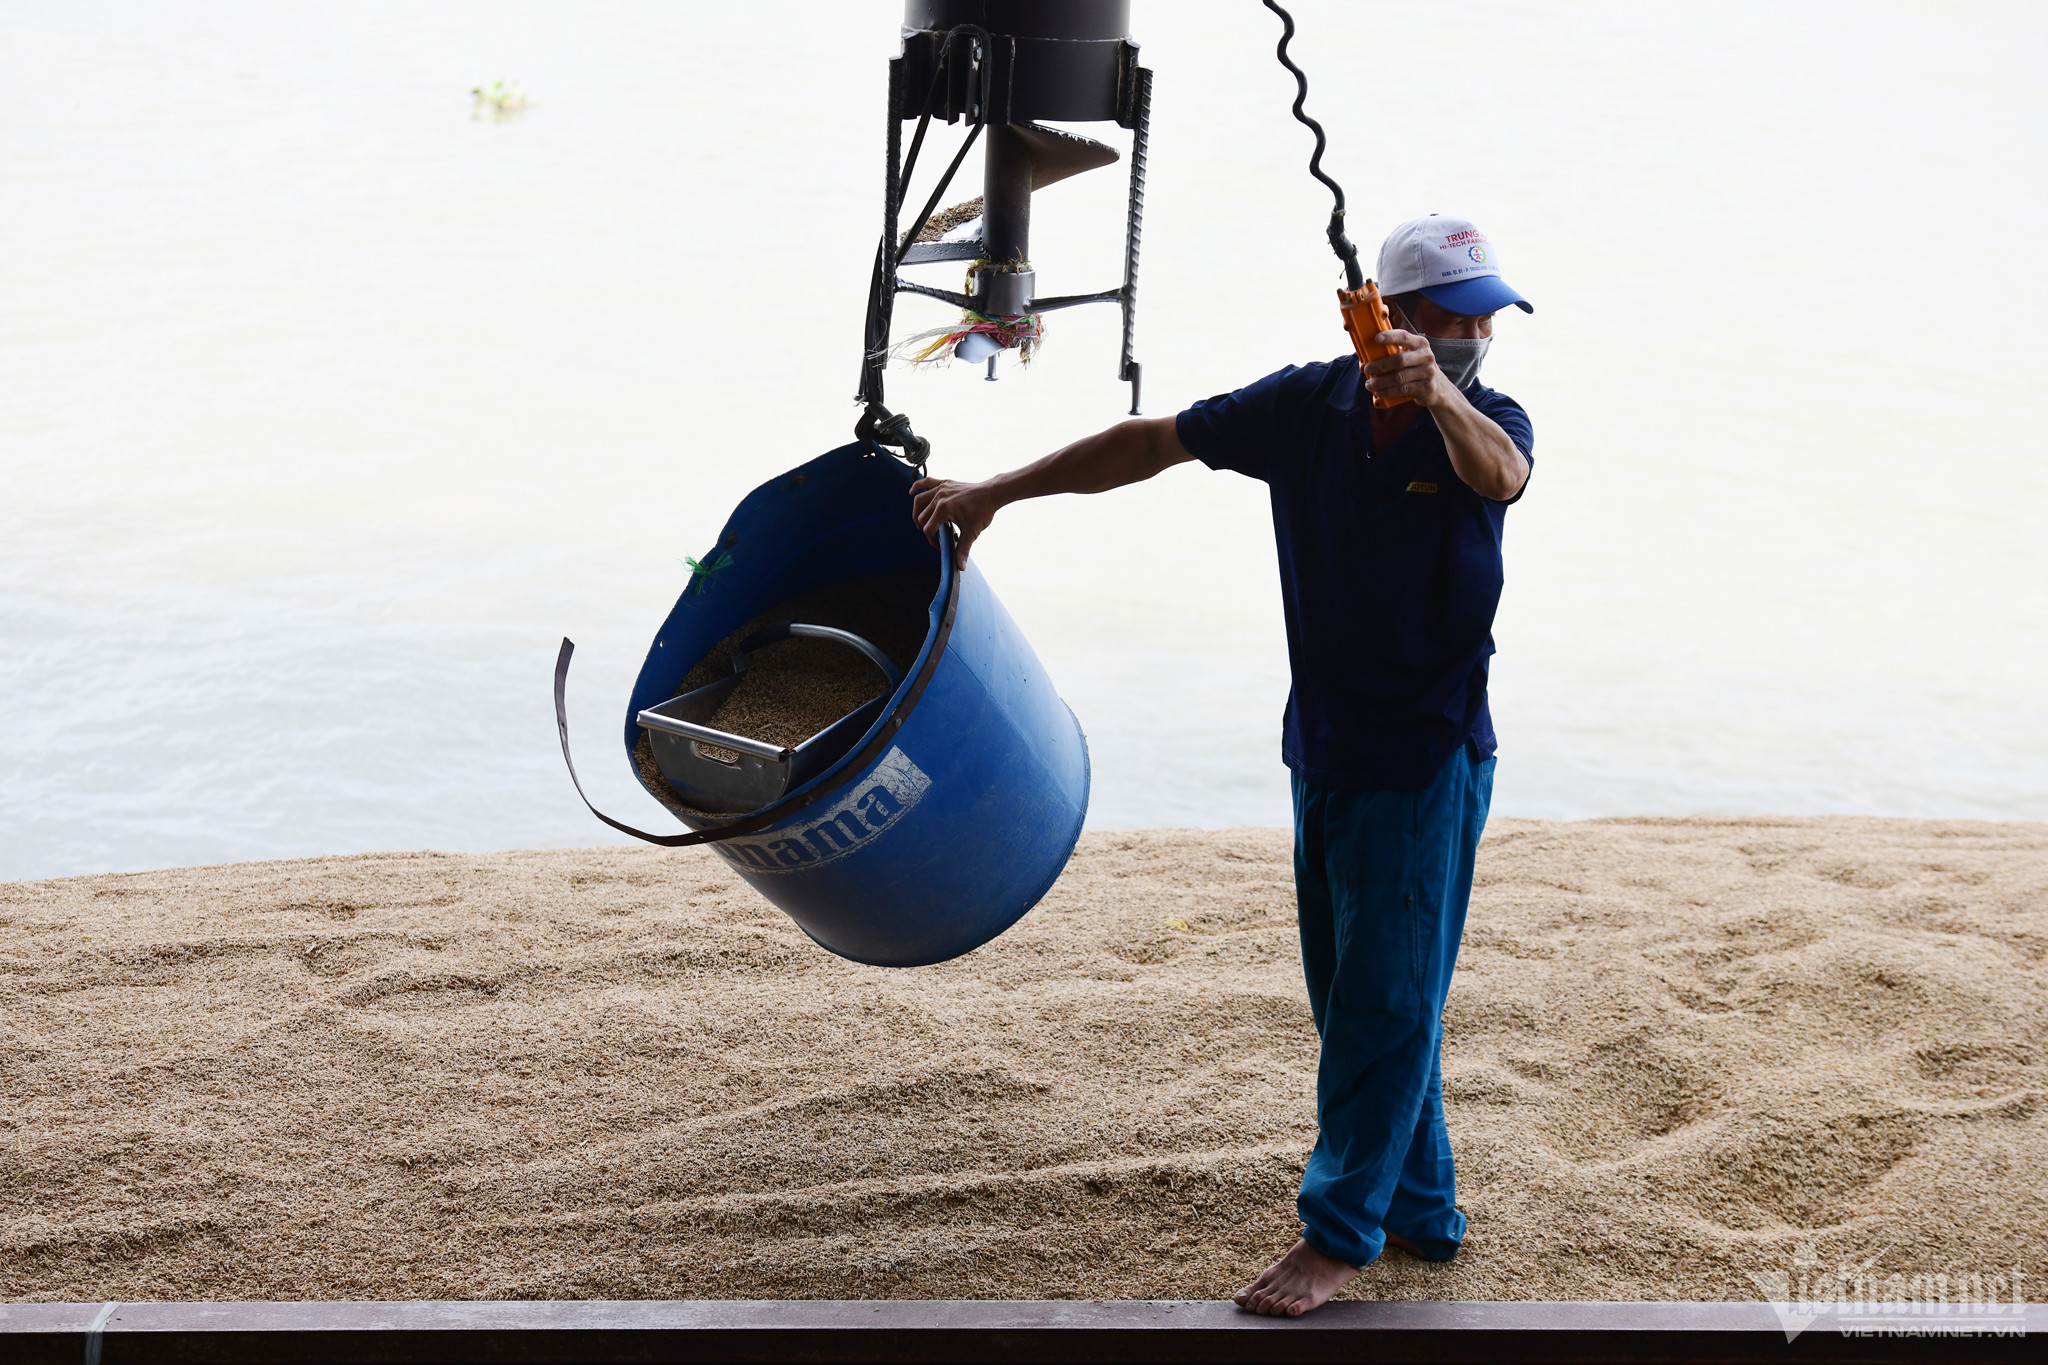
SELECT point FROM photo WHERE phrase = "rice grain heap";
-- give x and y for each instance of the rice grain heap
(1678, 1054)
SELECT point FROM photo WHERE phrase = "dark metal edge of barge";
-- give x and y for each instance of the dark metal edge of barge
(985, 1332)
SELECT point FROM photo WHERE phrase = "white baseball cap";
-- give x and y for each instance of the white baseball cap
(1451, 261)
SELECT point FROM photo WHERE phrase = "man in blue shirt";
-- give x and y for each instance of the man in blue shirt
(1388, 523)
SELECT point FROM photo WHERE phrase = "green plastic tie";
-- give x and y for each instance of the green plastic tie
(708, 567)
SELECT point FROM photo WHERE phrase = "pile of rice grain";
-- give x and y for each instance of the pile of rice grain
(1678, 1054)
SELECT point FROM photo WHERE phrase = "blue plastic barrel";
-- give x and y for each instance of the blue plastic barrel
(959, 807)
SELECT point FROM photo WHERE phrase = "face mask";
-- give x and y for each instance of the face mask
(1459, 357)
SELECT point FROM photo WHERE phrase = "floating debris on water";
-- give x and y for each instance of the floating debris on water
(498, 100)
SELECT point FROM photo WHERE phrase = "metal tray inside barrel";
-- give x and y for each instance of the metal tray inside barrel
(719, 772)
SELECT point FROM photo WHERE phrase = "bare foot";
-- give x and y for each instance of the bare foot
(1302, 1280)
(1396, 1240)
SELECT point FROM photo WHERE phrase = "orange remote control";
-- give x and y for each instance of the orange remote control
(1365, 317)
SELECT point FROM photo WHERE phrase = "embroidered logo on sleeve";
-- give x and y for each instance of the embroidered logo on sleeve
(1420, 487)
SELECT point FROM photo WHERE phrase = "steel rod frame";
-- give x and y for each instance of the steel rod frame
(1132, 372)
(892, 253)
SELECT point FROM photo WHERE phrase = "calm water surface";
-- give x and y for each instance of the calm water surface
(326, 410)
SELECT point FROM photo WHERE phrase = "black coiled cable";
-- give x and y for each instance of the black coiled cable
(1354, 278)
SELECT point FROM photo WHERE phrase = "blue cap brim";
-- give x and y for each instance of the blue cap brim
(1475, 298)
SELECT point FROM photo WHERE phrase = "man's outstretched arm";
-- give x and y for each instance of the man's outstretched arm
(1481, 453)
(1129, 452)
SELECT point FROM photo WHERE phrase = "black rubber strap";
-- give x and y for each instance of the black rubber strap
(774, 815)
(880, 427)
(877, 424)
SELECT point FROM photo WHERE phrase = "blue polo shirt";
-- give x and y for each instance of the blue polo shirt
(1390, 571)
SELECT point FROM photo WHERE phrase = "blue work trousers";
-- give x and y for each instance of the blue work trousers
(1382, 879)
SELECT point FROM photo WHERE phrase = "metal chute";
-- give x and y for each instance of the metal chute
(1002, 68)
